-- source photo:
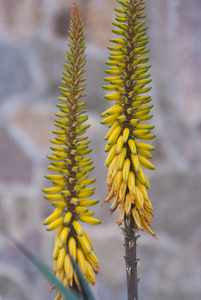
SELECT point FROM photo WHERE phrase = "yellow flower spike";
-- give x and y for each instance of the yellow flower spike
(128, 71)
(69, 194)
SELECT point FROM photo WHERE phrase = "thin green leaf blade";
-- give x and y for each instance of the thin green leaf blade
(86, 291)
(47, 272)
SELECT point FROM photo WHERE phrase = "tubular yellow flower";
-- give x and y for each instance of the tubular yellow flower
(127, 85)
(70, 192)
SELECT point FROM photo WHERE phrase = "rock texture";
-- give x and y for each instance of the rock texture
(33, 39)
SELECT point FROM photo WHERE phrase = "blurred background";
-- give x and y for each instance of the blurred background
(33, 40)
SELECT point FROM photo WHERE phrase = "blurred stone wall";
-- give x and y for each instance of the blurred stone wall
(33, 38)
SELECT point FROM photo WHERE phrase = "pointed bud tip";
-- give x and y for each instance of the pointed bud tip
(75, 13)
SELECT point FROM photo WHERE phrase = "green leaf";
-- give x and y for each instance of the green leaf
(86, 291)
(46, 271)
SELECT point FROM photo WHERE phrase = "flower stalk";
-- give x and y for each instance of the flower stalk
(128, 155)
(70, 192)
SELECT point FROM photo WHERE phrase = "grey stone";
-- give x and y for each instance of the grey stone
(14, 74)
(15, 165)
(176, 201)
(36, 122)
(95, 73)
(21, 19)
(10, 290)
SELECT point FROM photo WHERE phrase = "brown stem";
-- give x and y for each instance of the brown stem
(131, 259)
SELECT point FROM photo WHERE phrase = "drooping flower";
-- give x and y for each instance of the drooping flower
(127, 81)
(70, 193)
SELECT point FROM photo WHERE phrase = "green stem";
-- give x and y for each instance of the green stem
(131, 259)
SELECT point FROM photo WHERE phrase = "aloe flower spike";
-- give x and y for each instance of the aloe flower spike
(71, 185)
(128, 83)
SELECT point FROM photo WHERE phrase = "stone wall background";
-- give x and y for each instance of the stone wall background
(33, 35)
